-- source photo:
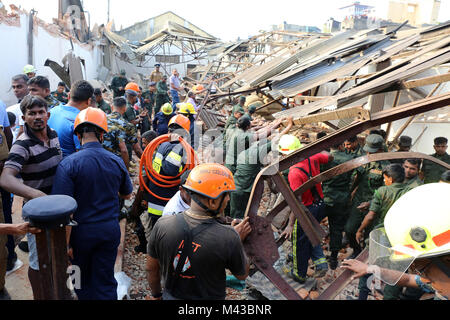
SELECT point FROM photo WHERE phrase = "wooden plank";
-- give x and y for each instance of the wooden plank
(344, 113)
(426, 81)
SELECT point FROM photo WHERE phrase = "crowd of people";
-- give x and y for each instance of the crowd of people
(79, 145)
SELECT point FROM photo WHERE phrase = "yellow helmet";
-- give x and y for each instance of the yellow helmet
(288, 144)
(186, 108)
(167, 109)
(413, 229)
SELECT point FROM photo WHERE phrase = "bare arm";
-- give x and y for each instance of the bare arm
(124, 154)
(9, 136)
(153, 275)
(368, 219)
(138, 150)
(10, 183)
(17, 229)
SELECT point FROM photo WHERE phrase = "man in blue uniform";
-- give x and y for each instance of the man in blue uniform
(95, 178)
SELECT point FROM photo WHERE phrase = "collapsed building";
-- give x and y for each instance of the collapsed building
(344, 83)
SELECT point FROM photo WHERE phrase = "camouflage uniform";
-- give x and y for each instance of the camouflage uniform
(61, 97)
(358, 152)
(104, 106)
(151, 96)
(118, 130)
(52, 102)
(336, 193)
(433, 171)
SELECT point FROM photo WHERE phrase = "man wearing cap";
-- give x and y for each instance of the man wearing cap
(369, 178)
(156, 75)
(251, 112)
(162, 94)
(118, 84)
(100, 102)
(404, 145)
(131, 114)
(336, 193)
(432, 172)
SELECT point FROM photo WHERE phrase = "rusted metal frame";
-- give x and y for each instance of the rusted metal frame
(338, 137)
(308, 223)
(343, 280)
(349, 166)
(59, 263)
(45, 266)
(408, 122)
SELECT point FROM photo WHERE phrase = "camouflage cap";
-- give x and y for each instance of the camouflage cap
(405, 141)
(374, 142)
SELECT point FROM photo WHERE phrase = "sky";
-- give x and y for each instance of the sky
(226, 20)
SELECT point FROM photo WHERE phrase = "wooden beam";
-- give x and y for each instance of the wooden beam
(344, 113)
(426, 81)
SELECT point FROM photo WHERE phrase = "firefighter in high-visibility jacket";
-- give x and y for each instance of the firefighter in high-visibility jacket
(169, 161)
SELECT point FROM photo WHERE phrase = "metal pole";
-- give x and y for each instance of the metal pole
(109, 7)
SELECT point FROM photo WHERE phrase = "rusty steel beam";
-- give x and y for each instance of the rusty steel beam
(343, 280)
(349, 166)
(337, 137)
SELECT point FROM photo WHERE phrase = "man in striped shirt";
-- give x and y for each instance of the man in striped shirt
(35, 156)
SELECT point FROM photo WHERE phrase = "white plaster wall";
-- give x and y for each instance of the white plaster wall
(14, 55)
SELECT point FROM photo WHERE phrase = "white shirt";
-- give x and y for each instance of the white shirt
(15, 127)
(175, 205)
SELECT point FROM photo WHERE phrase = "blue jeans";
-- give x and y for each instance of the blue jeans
(175, 98)
(302, 247)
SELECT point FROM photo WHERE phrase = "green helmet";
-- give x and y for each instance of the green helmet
(288, 144)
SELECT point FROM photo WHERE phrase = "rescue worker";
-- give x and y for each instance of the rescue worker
(95, 178)
(336, 192)
(100, 102)
(230, 125)
(118, 84)
(411, 167)
(60, 93)
(156, 75)
(412, 240)
(149, 98)
(162, 118)
(169, 160)
(131, 94)
(40, 86)
(241, 138)
(29, 71)
(251, 111)
(404, 145)
(313, 200)
(119, 132)
(162, 96)
(369, 178)
(431, 171)
(187, 110)
(197, 271)
(248, 165)
(353, 148)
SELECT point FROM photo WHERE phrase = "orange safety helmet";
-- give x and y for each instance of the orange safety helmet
(210, 180)
(182, 121)
(92, 116)
(132, 86)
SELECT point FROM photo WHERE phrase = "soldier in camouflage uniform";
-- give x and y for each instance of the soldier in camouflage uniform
(118, 84)
(60, 93)
(368, 179)
(411, 167)
(336, 193)
(432, 171)
(120, 132)
(149, 97)
(353, 148)
(162, 96)
(100, 102)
